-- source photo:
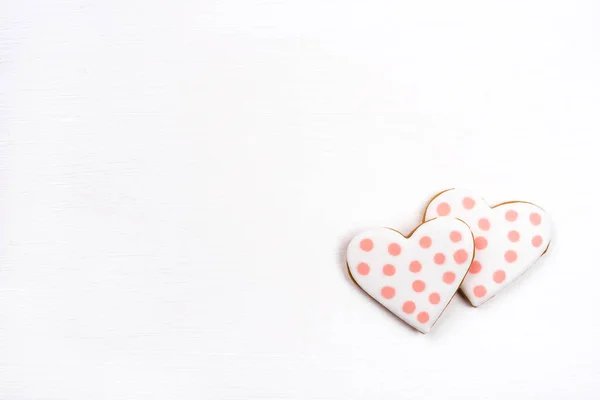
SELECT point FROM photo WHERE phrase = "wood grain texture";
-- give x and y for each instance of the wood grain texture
(178, 182)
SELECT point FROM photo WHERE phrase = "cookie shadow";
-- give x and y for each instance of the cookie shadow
(342, 263)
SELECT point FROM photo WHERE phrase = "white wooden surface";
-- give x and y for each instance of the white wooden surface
(178, 180)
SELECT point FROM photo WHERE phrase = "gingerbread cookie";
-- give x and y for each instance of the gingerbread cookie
(414, 277)
(509, 238)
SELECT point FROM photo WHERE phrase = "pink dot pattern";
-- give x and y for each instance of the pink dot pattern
(388, 292)
(508, 239)
(461, 256)
(484, 224)
(366, 244)
(510, 256)
(475, 267)
(409, 307)
(415, 266)
(455, 236)
(425, 242)
(443, 209)
(480, 243)
(499, 276)
(418, 286)
(449, 277)
(479, 291)
(389, 270)
(363, 268)
(468, 203)
(394, 249)
(511, 215)
(439, 258)
(415, 277)
(514, 236)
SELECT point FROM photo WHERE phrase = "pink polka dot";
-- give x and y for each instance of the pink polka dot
(425, 242)
(479, 291)
(535, 218)
(439, 258)
(484, 224)
(388, 292)
(475, 267)
(480, 243)
(443, 209)
(499, 276)
(394, 249)
(415, 266)
(434, 298)
(468, 203)
(408, 307)
(513, 236)
(455, 236)
(363, 268)
(366, 244)
(536, 241)
(423, 317)
(448, 277)
(511, 215)
(389, 269)
(460, 256)
(418, 286)
(510, 256)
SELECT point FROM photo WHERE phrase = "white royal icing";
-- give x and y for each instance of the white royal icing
(413, 277)
(509, 238)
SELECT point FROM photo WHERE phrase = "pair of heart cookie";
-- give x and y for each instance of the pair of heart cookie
(462, 244)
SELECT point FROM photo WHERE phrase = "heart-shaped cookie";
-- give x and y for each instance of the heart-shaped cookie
(509, 238)
(416, 276)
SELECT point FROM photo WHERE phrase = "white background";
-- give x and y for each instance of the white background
(178, 181)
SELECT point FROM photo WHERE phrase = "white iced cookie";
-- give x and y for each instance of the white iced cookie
(509, 238)
(416, 276)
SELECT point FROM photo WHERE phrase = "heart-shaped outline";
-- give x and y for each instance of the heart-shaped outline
(467, 290)
(470, 247)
